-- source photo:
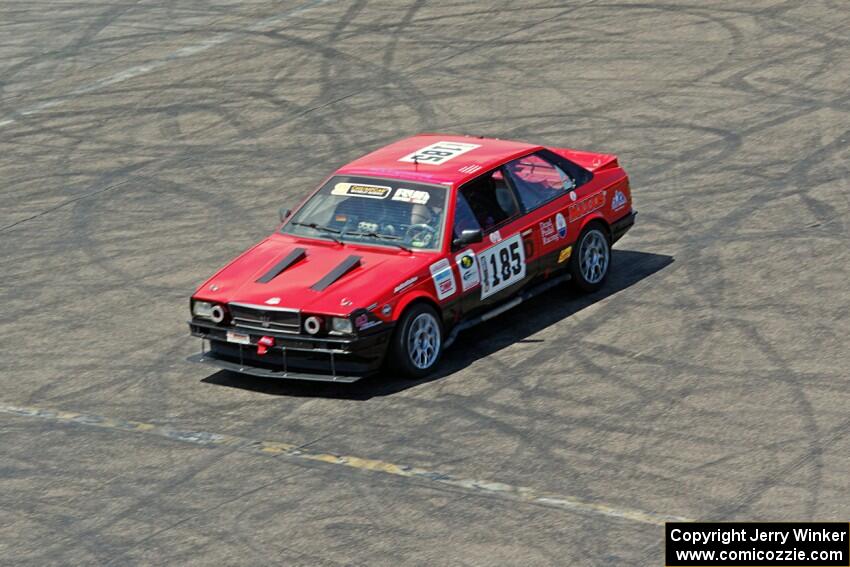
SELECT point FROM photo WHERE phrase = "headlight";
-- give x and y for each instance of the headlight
(207, 310)
(202, 309)
(341, 325)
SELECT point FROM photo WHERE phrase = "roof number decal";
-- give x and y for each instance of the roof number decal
(439, 153)
(360, 190)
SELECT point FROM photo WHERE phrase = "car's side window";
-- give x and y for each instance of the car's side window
(464, 217)
(537, 181)
(489, 199)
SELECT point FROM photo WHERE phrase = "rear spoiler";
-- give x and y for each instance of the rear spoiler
(589, 160)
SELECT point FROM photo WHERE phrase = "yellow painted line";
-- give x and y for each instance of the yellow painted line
(289, 450)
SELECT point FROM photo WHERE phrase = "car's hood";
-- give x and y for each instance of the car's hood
(325, 278)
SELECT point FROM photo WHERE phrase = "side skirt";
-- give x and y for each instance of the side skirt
(523, 296)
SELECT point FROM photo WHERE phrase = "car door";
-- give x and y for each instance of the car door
(492, 270)
(546, 188)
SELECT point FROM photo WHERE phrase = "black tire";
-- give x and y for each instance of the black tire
(401, 359)
(588, 280)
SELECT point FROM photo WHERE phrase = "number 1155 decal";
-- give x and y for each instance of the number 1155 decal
(502, 265)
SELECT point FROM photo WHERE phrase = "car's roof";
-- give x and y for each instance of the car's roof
(388, 161)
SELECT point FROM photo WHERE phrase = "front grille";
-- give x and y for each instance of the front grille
(262, 318)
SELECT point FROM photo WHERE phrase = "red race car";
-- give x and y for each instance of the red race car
(400, 250)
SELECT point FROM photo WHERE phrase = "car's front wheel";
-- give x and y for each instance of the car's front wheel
(418, 341)
(591, 258)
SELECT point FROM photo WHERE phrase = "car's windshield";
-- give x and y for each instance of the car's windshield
(366, 210)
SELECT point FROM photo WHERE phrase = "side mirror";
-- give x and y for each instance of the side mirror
(468, 236)
(284, 213)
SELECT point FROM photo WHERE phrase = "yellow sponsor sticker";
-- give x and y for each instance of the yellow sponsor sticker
(360, 190)
(565, 254)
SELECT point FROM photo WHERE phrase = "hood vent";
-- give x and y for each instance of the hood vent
(293, 257)
(343, 268)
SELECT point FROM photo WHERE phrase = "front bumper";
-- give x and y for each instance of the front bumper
(295, 357)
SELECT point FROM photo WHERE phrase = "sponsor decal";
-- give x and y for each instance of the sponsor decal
(273, 301)
(618, 201)
(470, 168)
(405, 284)
(573, 195)
(553, 230)
(214, 287)
(360, 190)
(565, 254)
(502, 265)
(362, 322)
(372, 307)
(586, 206)
(345, 302)
(444, 279)
(561, 225)
(340, 218)
(468, 268)
(438, 153)
(495, 236)
(411, 196)
(547, 232)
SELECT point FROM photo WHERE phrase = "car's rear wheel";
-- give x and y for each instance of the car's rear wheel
(418, 341)
(591, 258)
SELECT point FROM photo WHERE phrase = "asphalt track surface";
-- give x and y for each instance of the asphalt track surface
(144, 144)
